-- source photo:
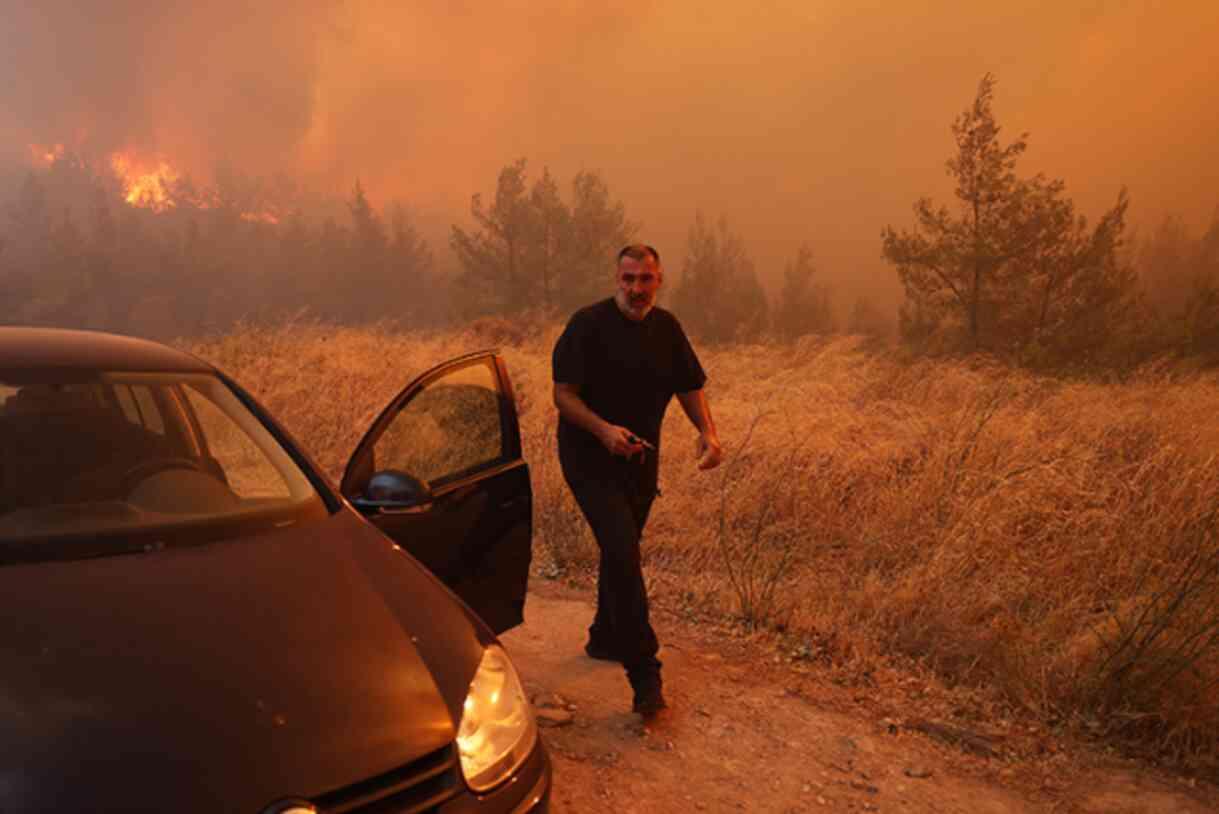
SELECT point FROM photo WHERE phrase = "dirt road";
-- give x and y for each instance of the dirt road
(745, 735)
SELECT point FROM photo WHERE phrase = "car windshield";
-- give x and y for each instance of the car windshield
(120, 460)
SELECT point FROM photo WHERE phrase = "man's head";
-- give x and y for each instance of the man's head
(639, 276)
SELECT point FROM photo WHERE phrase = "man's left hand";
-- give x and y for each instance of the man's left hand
(709, 452)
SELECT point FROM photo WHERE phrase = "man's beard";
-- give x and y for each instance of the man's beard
(638, 307)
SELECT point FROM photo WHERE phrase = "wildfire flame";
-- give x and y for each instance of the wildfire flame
(143, 185)
(150, 183)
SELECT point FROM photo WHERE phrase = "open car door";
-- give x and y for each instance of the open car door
(441, 473)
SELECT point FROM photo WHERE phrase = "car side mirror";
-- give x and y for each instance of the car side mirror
(395, 490)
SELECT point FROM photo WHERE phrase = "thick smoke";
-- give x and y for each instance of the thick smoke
(201, 82)
(799, 121)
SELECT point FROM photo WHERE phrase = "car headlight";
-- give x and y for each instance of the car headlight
(497, 729)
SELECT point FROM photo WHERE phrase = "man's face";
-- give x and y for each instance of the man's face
(638, 283)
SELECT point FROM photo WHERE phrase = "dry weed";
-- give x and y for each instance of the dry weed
(1044, 538)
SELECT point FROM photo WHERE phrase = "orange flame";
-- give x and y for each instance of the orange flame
(150, 184)
(145, 186)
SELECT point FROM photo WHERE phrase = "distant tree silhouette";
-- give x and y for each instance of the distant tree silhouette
(1181, 275)
(28, 278)
(30, 221)
(494, 276)
(866, 319)
(77, 254)
(599, 227)
(1202, 319)
(551, 222)
(370, 234)
(367, 260)
(1015, 270)
(533, 250)
(413, 286)
(804, 305)
(718, 296)
(1202, 314)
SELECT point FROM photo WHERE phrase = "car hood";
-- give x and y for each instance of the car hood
(227, 676)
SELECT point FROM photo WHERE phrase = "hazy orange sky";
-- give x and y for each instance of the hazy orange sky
(811, 121)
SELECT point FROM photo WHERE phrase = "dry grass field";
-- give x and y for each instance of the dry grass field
(1054, 542)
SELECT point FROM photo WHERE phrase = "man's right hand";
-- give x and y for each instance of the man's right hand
(622, 442)
(707, 451)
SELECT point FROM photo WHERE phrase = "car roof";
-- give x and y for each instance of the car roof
(24, 348)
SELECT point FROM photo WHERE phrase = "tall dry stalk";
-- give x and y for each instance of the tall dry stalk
(756, 546)
(1168, 632)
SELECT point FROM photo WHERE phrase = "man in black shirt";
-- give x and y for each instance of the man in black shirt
(616, 366)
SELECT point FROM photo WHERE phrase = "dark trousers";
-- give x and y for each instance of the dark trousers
(617, 511)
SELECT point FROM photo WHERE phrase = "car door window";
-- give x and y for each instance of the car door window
(451, 428)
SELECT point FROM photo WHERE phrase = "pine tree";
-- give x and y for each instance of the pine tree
(495, 277)
(531, 249)
(1014, 270)
(804, 305)
(718, 296)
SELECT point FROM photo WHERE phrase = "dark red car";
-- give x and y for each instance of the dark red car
(195, 620)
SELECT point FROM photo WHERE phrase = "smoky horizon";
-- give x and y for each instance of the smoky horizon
(811, 124)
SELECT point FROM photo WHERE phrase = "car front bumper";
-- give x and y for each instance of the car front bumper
(527, 792)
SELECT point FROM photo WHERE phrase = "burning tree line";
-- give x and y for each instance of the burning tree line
(1013, 270)
(77, 250)
(81, 245)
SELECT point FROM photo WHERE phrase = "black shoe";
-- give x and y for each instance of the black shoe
(649, 700)
(597, 650)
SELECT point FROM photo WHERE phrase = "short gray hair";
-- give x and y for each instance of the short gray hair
(640, 252)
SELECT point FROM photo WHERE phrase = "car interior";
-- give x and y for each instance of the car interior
(73, 443)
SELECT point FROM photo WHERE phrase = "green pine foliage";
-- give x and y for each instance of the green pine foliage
(1012, 268)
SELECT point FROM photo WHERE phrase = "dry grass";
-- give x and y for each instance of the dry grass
(1053, 540)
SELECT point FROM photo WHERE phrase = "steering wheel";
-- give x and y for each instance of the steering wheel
(146, 469)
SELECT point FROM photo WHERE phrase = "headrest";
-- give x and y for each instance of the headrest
(49, 398)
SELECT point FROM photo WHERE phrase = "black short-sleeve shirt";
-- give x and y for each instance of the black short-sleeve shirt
(627, 372)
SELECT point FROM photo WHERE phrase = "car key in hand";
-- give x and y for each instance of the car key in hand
(635, 439)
